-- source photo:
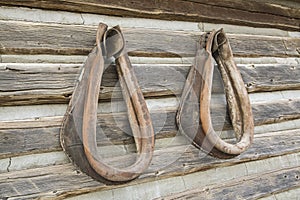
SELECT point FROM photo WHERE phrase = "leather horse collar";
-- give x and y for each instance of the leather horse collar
(194, 114)
(78, 132)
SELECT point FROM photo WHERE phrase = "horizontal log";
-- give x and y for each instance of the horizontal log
(61, 17)
(59, 157)
(249, 187)
(201, 179)
(263, 78)
(251, 13)
(27, 84)
(65, 180)
(11, 113)
(37, 38)
(18, 138)
(29, 161)
(69, 59)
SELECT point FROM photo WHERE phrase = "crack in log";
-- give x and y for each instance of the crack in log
(9, 164)
(82, 18)
(285, 46)
(13, 69)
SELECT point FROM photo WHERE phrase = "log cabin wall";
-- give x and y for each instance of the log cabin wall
(43, 45)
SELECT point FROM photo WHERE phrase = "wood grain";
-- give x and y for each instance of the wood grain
(251, 13)
(42, 84)
(266, 78)
(64, 180)
(18, 138)
(37, 38)
(54, 83)
(248, 187)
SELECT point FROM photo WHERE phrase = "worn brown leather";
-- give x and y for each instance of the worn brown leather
(194, 114)
(78, 133)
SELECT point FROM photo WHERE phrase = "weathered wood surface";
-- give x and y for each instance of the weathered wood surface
(37, 38)
(62, 17)
(43, 159)
(248, 187)
(288, 194)
(79, 59)
(264, 78)
(149, 190)
(283, 15)
(65, 180)
(47, 83)
(27, 84)
(35, 136)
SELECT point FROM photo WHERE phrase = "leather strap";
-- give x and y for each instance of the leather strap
(78, 133)
(194, 114)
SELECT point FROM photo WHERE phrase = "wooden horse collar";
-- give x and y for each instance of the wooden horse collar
(194, 115)
(78, 133)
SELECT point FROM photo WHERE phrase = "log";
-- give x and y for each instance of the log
(249, 187)
(251, 13)
(43, 84)
(64, 180)
(37, 38)
(267, 78)
(28, 84)
(19, 138)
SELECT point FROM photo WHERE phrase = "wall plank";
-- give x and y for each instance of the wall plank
(28, 84)
(35, 137)
(37, 38)
(64, 180)
(169, 186)
(46, 83)
(252, 13)
(257, 186)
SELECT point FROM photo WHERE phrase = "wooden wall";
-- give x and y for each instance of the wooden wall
(42, 53)
(283, 14)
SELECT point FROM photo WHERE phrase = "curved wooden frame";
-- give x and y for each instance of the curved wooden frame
(81, 116)
(198, 89)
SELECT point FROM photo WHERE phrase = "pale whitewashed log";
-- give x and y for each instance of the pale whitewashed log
(4, 164)
(32, 161)
(267, 60)
(61, 59)
(39, 15)
(243, 29)
(287, 125)
(294, 34)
